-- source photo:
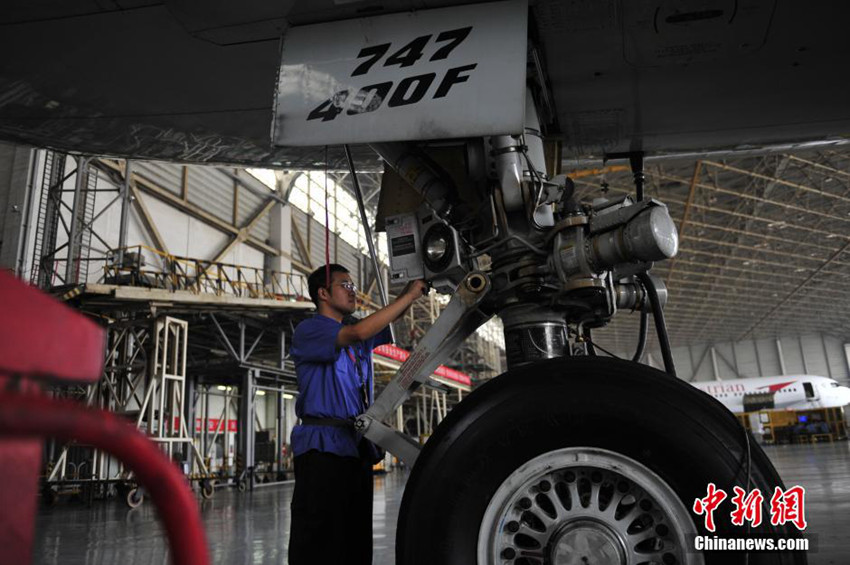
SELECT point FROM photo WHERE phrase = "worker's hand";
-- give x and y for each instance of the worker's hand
(416, 289)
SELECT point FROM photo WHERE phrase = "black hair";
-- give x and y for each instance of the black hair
(316, 280)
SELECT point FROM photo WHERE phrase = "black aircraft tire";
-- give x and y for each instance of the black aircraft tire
(683, 436)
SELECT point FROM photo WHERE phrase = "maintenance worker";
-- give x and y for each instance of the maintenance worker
(332, 502)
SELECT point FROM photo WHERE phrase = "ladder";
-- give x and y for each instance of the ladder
(49, 211)
(83, 246)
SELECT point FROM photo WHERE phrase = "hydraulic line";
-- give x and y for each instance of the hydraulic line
(644, 329)
(591, 349)
(636, 162)
(660, 324)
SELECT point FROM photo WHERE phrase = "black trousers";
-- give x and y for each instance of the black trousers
(332, 510)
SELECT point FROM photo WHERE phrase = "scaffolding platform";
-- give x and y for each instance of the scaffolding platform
(114, 296)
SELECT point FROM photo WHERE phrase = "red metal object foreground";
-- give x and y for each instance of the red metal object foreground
(41, 338)
(20, 460)
(30, 416)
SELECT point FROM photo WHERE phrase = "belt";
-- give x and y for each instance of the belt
(332, 422)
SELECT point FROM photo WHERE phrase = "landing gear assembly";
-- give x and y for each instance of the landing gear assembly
(567, 457)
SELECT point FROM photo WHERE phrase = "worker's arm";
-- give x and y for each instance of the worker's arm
(374, 323)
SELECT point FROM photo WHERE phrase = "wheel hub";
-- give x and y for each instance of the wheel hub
(585, 506)
(587, 542)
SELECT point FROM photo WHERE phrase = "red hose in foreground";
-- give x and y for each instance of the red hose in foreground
(31, 416)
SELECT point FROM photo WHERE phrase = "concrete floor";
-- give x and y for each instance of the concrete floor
(252, 528)
(824, 470)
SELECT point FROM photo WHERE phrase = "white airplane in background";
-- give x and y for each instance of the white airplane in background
(794, 392)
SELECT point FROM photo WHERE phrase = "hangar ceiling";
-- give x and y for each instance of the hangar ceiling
(764, 245)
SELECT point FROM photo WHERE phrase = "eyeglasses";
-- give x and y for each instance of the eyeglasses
(347, 285)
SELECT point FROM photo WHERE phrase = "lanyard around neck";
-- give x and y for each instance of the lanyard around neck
(357, 366)
(364, 393)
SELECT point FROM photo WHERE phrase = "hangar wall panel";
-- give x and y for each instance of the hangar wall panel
(793, 355)
(249, 203)
(245, 256)
(813, 354)
(814, 357)
(184, 235)
(212, 191)
(745, 355)
(164, 175)
(16, 164)
(768, 357)
(317, 244)
(724, 355)
(341, 252)
(838, 362)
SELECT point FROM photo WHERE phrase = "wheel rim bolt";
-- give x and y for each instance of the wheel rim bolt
(545, 486)
(525, 503)
(508, 553)
(513, 527)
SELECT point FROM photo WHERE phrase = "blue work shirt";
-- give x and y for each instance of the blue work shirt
(329, 385)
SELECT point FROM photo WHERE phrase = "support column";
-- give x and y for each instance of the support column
(847, 356)
(280, 440)
(280, 237)
(125, 210)
(693, 366)
(781, 357)
(245, 446)
(735, 360)
(418, 419)
(803, 355)
(76, 222)
(205, 422)
(17, 173)
(826, 356)
(189, 416)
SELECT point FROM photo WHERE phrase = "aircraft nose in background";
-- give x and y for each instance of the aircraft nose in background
(843, 394)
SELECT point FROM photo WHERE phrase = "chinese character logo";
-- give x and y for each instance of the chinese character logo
(788, 506)
(747, 508)
(709, 504)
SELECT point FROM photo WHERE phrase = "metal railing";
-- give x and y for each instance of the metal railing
(144, 266)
